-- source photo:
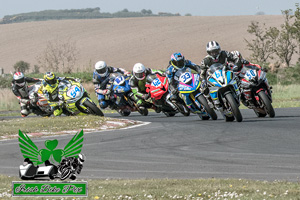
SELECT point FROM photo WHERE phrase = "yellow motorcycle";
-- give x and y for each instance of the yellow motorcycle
(75, 99)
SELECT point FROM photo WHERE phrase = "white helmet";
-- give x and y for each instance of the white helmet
(19, 79)
(101, 68)
(213, 49)
(237, 54)
(139, 71)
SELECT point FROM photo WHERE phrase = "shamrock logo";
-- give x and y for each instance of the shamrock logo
(31, 151)
(47, 153)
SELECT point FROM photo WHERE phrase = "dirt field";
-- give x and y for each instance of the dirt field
(123, 42)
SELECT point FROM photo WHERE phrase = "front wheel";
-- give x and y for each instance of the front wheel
(234, 107)
(208, 109)
(267, 104)
(66, 172)
(92, 108)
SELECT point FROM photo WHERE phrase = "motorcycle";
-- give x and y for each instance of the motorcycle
(189, 89)
(75, 99)
(69, 167)
(158, 90)
(120, 91)
(224, 91)
(256, 92)
(40, 105)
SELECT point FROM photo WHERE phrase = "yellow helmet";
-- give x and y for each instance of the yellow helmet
(50, 79)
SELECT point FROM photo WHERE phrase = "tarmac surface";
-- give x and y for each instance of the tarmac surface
(185, 148)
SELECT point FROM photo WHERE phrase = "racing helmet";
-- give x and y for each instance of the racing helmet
(139, 71)
(213, 49)
(50, 79)
(101, 68)
(177, 60)
(237, 54)
(81, 158)
(19, 79)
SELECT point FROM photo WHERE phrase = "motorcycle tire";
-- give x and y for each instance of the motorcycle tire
(143, 111)
(183, 109)
(170, 114)
(65, 174)
(229, 119)
(124, 113)
(258, 114)
(205, 117)
(234, 107)
(94, 110)
(208, 109)
(267, 104)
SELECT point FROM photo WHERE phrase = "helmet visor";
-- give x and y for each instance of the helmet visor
(51, 82)
(214, 53)
(101, 71)
(179, 63)
(20, 82)
(140, 75)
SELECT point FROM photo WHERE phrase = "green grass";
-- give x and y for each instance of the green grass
(178, 189)
(51, 124)
(286, 96)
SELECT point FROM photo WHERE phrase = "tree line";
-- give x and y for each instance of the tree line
(87, 13)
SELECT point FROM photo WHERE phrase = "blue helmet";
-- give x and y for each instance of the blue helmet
(177, 60)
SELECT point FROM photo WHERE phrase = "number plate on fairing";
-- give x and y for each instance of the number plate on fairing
(156, 82)
(74, 91)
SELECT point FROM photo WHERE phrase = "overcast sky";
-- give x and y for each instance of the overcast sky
(194, 7)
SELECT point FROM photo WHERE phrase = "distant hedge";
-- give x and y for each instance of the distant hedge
(87, 13)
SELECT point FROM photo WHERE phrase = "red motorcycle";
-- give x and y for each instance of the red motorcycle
(160, 95)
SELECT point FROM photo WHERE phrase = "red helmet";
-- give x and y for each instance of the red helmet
(19, 79)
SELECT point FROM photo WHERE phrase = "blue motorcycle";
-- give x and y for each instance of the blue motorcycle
(120, 91)
(224, 91)
(189, 89)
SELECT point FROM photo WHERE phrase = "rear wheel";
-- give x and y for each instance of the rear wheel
(258, 114)
(267, 104)
(208, 109)
(204, 117)
(234, 107)
(124, 113)
(183, 109)
(92, 108)
(170, 114)
(143, 111)
(229, 119)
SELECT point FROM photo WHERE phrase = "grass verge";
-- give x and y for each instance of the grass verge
(178, 189)
(55, 124)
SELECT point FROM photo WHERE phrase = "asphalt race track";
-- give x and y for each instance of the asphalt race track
(186, 147)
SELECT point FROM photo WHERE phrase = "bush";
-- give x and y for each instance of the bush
(21, 66)
(5, 81)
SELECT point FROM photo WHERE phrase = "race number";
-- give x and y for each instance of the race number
(74, 91)
(156, 82)
(186, 77)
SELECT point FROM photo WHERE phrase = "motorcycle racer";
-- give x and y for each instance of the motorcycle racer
(100, 80)
(216, 55)
(178, 62)
(138, 82)
(20, 89)
(50, 90)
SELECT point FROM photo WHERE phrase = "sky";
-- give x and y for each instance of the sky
(194, 7)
